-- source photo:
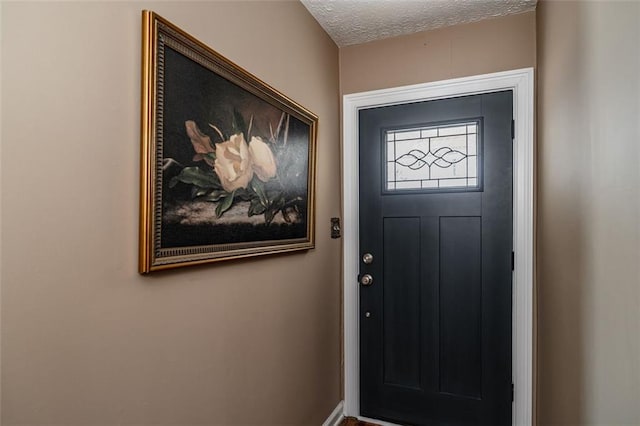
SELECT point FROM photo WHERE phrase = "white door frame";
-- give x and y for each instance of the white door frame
(521, 82)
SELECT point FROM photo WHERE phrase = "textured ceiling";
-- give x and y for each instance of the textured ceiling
(359, 21)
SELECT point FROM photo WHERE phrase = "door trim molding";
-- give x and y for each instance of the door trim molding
(522, 83)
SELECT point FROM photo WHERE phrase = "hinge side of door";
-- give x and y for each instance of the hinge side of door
(513, 129)
(512, 392)
(513, 261)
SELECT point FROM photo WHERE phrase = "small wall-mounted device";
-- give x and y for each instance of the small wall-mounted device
(335, 227)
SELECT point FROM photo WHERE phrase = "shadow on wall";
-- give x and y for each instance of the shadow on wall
(562, 226)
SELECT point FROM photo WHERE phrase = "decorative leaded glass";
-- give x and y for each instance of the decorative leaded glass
(435, 157)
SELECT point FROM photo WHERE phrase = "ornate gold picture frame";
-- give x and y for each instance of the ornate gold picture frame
(227, 161)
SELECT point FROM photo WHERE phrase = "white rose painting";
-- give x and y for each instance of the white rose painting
(235, 167)
(236, 171)
(227, 161)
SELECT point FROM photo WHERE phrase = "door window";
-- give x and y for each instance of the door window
(433, 158)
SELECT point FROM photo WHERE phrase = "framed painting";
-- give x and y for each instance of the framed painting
(227, 161)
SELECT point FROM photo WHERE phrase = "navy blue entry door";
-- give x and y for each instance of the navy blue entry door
(436, 226)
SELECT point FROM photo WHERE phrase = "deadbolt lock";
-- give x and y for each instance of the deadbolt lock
(367, 258)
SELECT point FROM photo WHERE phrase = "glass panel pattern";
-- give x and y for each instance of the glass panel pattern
(435, 157)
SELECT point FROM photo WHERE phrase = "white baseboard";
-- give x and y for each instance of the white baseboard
(336, 416)
(376, 422)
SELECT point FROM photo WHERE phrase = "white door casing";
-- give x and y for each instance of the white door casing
(521, 83)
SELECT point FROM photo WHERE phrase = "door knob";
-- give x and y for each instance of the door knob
(367, 258)
(366, 280)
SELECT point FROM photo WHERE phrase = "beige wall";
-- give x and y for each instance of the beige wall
(85, 339)
(491, 45)
(589, 213)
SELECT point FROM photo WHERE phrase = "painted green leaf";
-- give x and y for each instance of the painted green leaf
(276, 205)
(225, 204)
(198, 177)
(243, 194)
(256, 207)
(276, 198)
(238, 123)
(269, 215)
(285, 215)
(196, 191)
(174, 181)
(258, 188)
(294, 201)
(214, 195)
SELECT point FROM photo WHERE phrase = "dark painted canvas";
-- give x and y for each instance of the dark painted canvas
(233, 159)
